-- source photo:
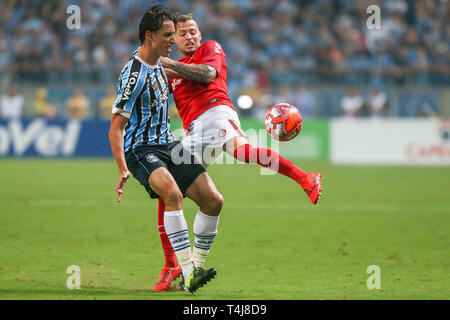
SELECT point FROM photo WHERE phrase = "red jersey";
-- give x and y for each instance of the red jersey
(193, 98)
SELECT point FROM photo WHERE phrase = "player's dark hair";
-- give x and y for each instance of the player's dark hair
(153, 20)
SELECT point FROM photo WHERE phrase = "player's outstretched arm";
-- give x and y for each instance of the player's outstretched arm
(118, 124)
(172, 74)
(194, 72)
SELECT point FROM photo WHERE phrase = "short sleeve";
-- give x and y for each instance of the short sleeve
(211, 54)
(129, 85)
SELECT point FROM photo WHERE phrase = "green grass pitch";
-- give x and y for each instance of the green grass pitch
(272, 242)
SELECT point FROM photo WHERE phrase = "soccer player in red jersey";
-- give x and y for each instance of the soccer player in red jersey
(199, 86)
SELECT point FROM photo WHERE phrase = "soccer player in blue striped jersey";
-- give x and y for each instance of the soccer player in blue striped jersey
(149, 151)
(146, 85)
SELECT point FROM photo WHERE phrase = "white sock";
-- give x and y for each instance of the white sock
(177, 231)
(205, 231)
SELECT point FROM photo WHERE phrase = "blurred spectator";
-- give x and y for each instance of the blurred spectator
(352, 104)
(173, 111)
(106, 103)
(11, 104)
(426, 110)
(284, 94)
(42, 106)
(377, 103)
(77, 105)
(328, 39)
(268, 43)
(304, 100)
(263, 101)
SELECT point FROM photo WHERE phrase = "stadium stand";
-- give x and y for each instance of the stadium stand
(323, 45)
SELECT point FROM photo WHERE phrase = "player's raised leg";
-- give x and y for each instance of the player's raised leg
(240, 149)
(171, 268)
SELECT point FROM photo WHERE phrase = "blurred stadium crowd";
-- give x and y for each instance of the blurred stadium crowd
(274, 48)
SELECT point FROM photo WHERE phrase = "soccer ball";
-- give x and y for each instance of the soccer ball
(283, 122)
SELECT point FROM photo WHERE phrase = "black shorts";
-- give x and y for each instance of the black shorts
(143, 160)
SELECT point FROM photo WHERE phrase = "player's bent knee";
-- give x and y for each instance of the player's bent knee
(172, 197)
(215, 204)
(219, 200)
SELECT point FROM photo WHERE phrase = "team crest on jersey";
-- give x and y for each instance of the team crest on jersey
(222, 133)
(175, 82)
(217, 48)
(151, 158)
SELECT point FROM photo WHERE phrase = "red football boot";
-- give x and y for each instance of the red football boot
(312, 186)
(168, 274)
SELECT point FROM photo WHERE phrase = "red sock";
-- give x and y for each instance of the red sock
(269, 159)
(169, 254)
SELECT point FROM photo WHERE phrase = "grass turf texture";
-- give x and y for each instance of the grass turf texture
(272, 242)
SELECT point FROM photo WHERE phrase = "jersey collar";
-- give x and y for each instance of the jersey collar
(150, 66)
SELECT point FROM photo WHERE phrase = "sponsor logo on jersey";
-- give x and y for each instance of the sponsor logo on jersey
(161, 79)
(131, 82)
(162, 98)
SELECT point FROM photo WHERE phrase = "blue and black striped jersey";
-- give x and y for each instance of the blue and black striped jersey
(143, 97)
